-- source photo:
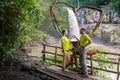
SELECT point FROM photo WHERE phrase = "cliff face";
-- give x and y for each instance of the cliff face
(108, 32)
(110, 27)
(109, 15)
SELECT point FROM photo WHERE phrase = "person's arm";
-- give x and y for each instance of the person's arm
(72, 37)
(76, 38)
(62, 47)
(88, 43)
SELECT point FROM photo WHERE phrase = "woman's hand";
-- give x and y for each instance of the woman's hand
(73, 36)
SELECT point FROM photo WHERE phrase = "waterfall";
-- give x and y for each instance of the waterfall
(73, 24)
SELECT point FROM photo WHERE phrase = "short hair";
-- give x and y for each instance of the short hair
(82, 29)
(63, 31)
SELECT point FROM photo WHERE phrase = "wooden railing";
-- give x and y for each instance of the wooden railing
(90, 58)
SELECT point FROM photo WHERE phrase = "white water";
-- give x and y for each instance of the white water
(73, 24)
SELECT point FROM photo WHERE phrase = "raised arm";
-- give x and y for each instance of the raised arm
(76, 38)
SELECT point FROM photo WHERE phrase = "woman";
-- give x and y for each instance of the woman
(65, 43)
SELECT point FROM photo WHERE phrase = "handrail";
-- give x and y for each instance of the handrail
(111, 53)
(91, 59)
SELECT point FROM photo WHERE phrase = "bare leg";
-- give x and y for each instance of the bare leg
(69, 58)
(64, 61)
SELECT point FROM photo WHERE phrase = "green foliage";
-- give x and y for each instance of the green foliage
(116, 5)
(98, 56)
(60, 12)
(102, 75)
(97, 48)
(50, 56)
(78, 3)
(59, 58)
(103, 65)
(19, 20)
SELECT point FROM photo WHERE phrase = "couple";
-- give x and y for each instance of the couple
(84, 42)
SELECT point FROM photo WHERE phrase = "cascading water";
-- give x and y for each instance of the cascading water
(73, 25)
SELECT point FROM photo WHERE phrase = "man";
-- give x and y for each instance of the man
(84, 42)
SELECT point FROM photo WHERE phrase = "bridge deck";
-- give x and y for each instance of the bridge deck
(72, 75)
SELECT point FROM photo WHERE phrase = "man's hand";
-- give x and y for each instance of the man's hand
(88, 43)
(75, 37)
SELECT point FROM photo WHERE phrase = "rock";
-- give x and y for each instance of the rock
(108, 32)
(51, 40)
(27, 65)
(43, 77)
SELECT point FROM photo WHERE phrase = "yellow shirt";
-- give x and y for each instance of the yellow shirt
(66, 43)
(83, 39)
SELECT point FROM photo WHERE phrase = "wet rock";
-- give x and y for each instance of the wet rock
(107, 32)
(43, 76)
(51, 40)
(29, 65)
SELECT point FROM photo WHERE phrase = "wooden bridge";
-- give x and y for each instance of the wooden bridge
(73, 73)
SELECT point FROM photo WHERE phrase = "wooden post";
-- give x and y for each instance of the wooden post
(91, 63)
(44, 52)
(75, 58)
(55, 54)
(72, 61)
(118, 72)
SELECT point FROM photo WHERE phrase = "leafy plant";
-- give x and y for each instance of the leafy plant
(20, 21)
(103, 65)
(102, 75)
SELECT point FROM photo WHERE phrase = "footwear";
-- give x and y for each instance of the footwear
(84, 76)
(80, 72)
(65, 70)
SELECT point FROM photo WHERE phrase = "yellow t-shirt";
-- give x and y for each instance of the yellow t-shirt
(83, 39)
(66, 43)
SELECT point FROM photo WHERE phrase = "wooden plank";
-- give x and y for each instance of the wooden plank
(52, 53)
(49, 74)
(55, 54)
(53, 60)
(52, 46)
(110, 53)
(118, 66)
(103, 61)
(91, 63)
(99, 51)
(44, 53)
(66, 74)
(70, 74)
(103, 70)
(107, 53)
